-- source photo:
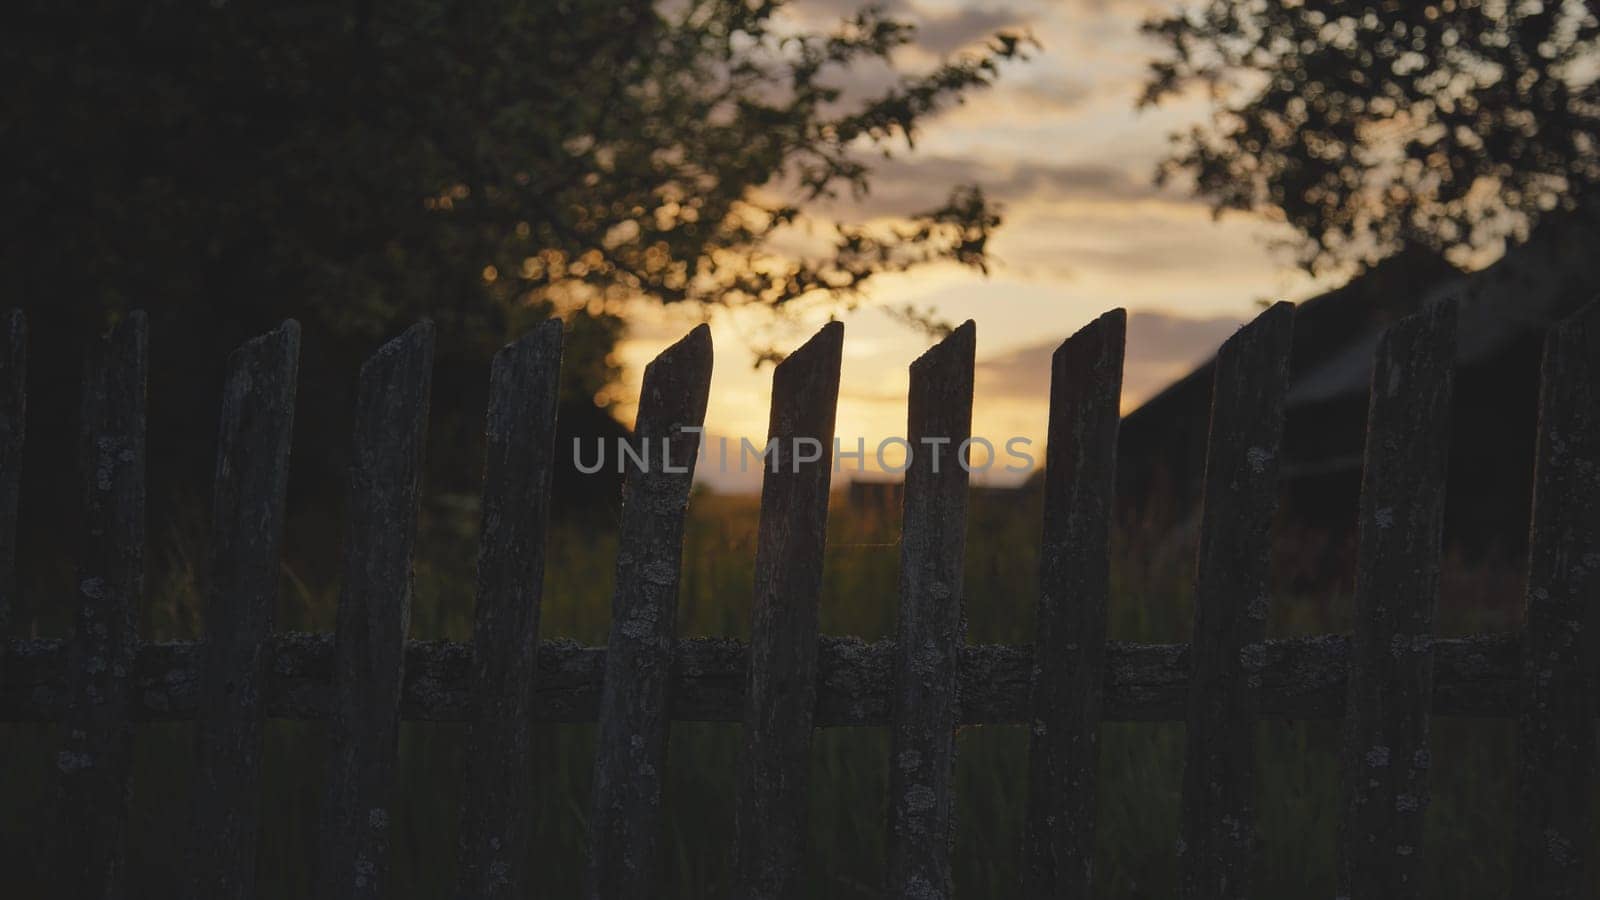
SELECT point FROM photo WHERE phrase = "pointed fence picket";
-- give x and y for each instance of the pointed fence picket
(781, 691)
(1230, 602)
(1385, 756)
(247, 532)
(635, 698)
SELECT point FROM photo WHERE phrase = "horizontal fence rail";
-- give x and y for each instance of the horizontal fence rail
(1384, 682)
(1301, 678)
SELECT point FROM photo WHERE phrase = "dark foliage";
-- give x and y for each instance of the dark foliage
(1374, 124)
(360, 166)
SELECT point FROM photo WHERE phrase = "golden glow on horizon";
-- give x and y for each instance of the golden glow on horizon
(1059, 143)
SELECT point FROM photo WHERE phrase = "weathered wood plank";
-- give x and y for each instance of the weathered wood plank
(1385, 747)
(780, 692)
(374, 612)
(1230, 598)
(496, 783)
(97, 750)
(252, 477)
(1301, 678)
(1074, 588)
(1555, 734)
(13, 428)
(625, 819)
(931, 624)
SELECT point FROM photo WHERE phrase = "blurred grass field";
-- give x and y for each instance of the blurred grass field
(1469, 825)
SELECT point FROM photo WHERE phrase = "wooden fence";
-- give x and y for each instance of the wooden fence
(1385, 680)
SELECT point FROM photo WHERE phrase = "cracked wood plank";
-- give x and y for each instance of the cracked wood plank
(634, 714)
(1074, 589)
(496, 812)
(93, 764)
(374, 612)
(1555, 734)
(247, 500)
(931, 626)
(13, 428)
(781, 690)
(1385, 759)
(1216, 843)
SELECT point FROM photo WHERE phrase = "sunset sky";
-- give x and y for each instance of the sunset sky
(1059, 142)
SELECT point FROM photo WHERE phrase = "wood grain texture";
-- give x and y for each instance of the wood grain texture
(1074, 588)
(248, 489)
(374, 612)
(93, 764)
(1385, 756)
(1301, 678)
(1241, 497)
(625, 818)
(931, 626)
(1555, 734)
(780, 693)
(13, 429)
(496, 819)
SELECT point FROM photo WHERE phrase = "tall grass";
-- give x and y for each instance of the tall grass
(1140, 772)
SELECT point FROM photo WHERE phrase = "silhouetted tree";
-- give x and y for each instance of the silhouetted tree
(361, 165)
(1453, 124)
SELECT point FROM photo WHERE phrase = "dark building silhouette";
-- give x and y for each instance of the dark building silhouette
(1504, 312)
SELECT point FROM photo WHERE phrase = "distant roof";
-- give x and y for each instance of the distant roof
(1504, 309)
(1529, 288)
(1325, 328)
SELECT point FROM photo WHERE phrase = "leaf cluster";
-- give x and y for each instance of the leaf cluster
(1369, 125)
